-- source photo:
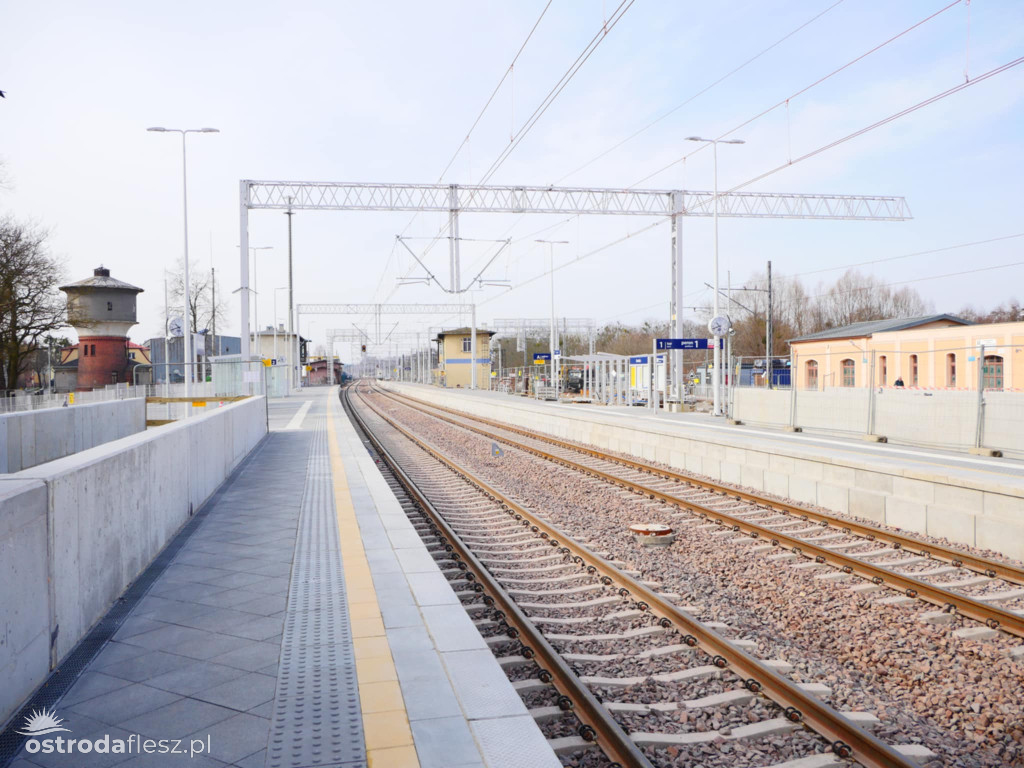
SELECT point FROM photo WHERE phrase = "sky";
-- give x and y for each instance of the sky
(387, 91)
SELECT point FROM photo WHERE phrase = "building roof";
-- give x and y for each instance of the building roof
(465, 331)
(101, 279)
(870, 327)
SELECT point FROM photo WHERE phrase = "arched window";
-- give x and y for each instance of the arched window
(849, 373)
(992, 372)
(913, 371)
(85, 350)
(883, 371)
(812, 374)
(951, 370)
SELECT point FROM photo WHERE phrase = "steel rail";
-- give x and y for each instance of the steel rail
(991, 615)
(846, 738)
(959, 558)
(605, 731)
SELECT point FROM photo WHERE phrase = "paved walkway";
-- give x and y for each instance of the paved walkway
(302, 624)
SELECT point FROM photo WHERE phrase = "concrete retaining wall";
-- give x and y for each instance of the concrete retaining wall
(986, 512)
(76, 531)
(913, 416)
(29, 438)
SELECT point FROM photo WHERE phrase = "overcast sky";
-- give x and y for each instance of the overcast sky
(386, 91)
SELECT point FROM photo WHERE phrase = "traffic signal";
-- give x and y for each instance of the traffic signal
(363, 349)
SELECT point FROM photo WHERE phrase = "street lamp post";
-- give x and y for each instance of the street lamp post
(717, 373)
(284, 288)
(551, 263)
(187, 340)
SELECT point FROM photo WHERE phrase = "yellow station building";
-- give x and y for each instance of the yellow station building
(453, 355)
(933, 352)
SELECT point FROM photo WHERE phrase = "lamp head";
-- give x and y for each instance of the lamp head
(209, 130)
(158, 130)
(695, 138)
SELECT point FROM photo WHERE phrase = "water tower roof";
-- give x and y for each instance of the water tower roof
(101, 279)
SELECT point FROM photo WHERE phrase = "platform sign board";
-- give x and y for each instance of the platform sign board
(541, 356)
(688, 343)
(642, 360)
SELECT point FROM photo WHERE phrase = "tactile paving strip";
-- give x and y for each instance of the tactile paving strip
(317, 720)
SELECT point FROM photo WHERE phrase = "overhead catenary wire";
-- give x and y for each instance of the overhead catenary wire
(464, 142)
(800, 92)
(884, 121)
(700, 93)
(559, 86)
(861, 289)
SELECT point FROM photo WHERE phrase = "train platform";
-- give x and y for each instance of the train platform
(301, 622)
(967, 499)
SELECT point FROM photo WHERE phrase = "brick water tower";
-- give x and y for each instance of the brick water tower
(101, 309)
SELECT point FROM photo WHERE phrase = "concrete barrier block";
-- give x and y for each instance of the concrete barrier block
(716, 451)
(835, 474)
(711, 467)
(812, 470)
(776, 482)
(872, 481)
(694, 463)
(1003, 505)
(916, 490)
(24, 598)
(752, 477)
(731, 472)
(783, 465)
(758, 459)
(963, 499)
(735, 455)
(954, 524)
(1001, 534)
(834, 497)
(867, 504)
(906, 514)
(803, 489)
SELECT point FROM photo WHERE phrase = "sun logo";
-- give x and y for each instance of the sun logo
(41, 722)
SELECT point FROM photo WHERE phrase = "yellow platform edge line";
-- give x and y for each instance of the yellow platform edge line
(388, 737)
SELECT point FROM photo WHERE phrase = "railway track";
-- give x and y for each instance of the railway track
(619, 653)
(954, 581)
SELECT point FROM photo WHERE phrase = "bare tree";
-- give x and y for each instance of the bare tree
(202, 310)
(30, 304)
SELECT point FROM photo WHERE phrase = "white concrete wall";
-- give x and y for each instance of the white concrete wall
(29, 438)
(919, 417)
(104, 514)
(986, 513)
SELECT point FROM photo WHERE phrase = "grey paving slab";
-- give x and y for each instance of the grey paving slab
(125, 703)
(195, 677)
(90, 685)
(481, 686)
(406, 539)
(443, 742)
(178, 719)
(243, 693)
(418, 561)
(432, 588)
(145, 666)
(512, 742)
(397, 615)
(237, 737)
(409, 639)
(451, 628)
(250, 657)
(425, 685)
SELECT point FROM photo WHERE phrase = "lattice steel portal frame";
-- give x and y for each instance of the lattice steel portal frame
(453, 199)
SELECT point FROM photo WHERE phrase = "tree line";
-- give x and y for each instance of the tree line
(798, 310)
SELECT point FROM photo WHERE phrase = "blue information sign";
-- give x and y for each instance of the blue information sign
(688, 343)
(541, 355)
(642, 359)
